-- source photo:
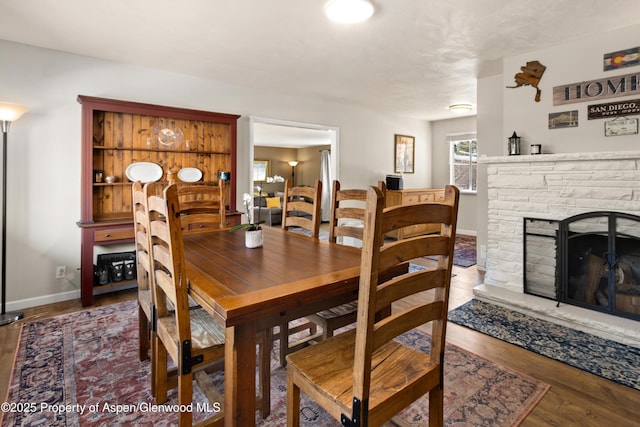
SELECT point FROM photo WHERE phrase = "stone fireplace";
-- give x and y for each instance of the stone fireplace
(554, 187)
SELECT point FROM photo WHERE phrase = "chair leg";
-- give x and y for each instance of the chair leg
(436, 403)
(264, 369)
(293, 402)
(159, 353)
(284, 343)
(327, 330)
(143, 334)
(154, 365)
(185, 397)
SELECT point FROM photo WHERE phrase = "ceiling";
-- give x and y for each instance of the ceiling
(413, 58)
(275, 135)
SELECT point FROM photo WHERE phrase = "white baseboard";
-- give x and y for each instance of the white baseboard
(466, 232)
(42, 300)
(64, 296)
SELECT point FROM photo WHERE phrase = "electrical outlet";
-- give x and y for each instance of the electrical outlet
(61, 272)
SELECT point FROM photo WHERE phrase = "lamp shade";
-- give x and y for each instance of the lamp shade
(293, 163)
(11, 112)
(348, 11)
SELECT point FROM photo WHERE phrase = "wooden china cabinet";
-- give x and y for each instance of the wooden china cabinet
(160, 142)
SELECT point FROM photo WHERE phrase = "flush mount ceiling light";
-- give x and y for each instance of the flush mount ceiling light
(460, 108)
(348, 11)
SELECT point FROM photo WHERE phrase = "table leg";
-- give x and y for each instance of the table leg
(240, 376)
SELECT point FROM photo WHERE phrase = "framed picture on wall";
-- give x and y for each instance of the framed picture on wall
(261, 169)
(621, 126)
(404, 150)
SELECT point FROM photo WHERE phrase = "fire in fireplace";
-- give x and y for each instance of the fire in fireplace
(594, 259)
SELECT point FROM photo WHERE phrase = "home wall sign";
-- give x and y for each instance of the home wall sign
(621, 59)
(621, 126)
(530, 75)
(612, 87)
(613, 109)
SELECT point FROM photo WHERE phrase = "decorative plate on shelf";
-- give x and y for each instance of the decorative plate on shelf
(144, 172)
(168, 136)
(189, 174)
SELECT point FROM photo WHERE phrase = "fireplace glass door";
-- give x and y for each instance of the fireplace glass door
(601, 262)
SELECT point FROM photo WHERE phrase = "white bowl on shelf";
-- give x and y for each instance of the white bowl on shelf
(144, 172)
(189, 174)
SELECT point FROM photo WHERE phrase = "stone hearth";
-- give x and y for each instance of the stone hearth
(553, 186)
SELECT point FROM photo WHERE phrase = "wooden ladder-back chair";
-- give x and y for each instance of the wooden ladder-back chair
(176, 324)
(143, 265)
(364, 377)
(191, 337)
(202, 206)
(145, 275)
(301, 209)
(347, 222)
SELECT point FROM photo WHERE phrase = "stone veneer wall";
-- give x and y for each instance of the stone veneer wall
(550, 186)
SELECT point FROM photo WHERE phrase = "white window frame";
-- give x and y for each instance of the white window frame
(473, 160)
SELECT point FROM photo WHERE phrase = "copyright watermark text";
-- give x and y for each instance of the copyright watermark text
(107, 407)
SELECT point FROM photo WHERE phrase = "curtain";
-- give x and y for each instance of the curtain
(325, 177)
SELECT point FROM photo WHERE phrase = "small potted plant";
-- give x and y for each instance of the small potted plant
(253, 233)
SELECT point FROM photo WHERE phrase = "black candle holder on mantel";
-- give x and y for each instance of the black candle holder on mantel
(513, 147)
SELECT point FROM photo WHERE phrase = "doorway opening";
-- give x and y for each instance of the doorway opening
(275, 143)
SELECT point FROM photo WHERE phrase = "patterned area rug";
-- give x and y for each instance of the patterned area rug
(88, 360)
(605, 358)
(464, 254)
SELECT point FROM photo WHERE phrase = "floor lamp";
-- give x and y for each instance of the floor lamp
(8, 113)
(293, 164)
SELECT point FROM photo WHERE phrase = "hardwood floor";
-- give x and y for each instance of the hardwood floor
(576, 398)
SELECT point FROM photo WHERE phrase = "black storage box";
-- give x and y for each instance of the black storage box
(115, 267)
(394, 182)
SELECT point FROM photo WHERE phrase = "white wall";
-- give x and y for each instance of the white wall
(502, 111)
(440, 129)
(44, 149)
(489, 121)
(567, 63)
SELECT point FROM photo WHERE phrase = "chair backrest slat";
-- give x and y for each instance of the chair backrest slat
(347, 213)
(302, 207)
(140, 224)
(202, 206)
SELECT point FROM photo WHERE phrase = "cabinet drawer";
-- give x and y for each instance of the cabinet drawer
(201, 226)
(113, 234)
(231, 220)
(410, 199)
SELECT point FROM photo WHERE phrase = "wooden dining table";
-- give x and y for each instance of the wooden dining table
(250, 290)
